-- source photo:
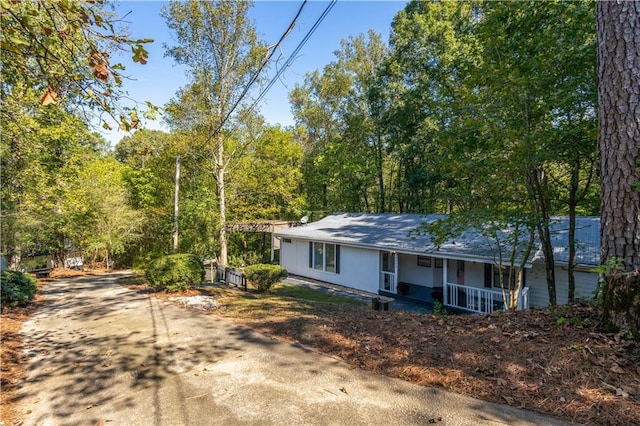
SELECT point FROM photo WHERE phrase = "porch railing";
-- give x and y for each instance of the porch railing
(387, 282)
(472, 299)
(523, 302)
(231, 277)
(480, 300)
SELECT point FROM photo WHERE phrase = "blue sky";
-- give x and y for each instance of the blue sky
(160, 78)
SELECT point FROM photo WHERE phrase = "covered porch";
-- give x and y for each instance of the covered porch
(457, 284)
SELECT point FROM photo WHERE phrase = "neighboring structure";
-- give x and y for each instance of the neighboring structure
(264, 227)
(383, 254)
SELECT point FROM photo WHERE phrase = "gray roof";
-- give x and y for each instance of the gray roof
(397, 232)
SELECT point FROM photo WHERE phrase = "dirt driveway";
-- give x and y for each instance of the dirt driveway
(101, 354)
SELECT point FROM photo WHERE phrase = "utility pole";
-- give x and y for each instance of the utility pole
(175, 207)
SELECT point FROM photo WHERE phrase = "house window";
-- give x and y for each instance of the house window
(424, 261)
(324, 257)
(286, 240)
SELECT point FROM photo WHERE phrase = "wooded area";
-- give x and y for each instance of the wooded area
(484, 110)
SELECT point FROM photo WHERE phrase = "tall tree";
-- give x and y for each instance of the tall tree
(619, 117)
(41, 153)
(345, 150)
(432, 45)
(104, 222)
(540, 99)
(57, 74)
(619, 140)
(218, 44)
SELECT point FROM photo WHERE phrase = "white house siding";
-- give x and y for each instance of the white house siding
(359, 268)
(411, 273)
(473, 274)
(586, 283)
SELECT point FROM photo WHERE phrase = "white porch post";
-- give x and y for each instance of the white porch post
(395, 270)
(445, 293)
(273, 240)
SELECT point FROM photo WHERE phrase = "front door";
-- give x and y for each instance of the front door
(388, 271)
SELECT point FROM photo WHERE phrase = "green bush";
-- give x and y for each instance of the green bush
(17, 288)
(175, 272)
(263, 276)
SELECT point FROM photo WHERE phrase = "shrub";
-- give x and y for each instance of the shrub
(17, 288)
(175, 272)
(263, 276)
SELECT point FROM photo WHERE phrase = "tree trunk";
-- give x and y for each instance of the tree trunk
(380, 173)
(539, 189)
(619, 139)
(220, 172)
(175, 206)
(618, 114)
(573, 193)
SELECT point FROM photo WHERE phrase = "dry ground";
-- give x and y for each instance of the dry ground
(553, 361)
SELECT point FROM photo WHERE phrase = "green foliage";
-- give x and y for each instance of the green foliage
(18, 288)
(266, 181)
(41, 160)
(104, 223)
(613, 266)
(222, 66)
(438, 309)
(339, 111)
(263, 276)
(175, 272)
(63, 50)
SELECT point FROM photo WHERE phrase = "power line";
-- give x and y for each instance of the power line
(265, 61)
(293, 55)
(286, 63)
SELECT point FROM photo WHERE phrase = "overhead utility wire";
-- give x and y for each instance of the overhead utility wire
(293, 55)
(265, 61)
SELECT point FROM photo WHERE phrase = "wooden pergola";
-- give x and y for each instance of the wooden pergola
(264, 226)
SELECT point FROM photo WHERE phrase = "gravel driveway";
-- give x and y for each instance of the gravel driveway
(99, 353)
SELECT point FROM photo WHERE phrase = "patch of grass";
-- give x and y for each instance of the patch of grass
(282, 302)
(303, 293)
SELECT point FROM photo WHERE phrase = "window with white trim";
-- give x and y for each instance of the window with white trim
(324, 257)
